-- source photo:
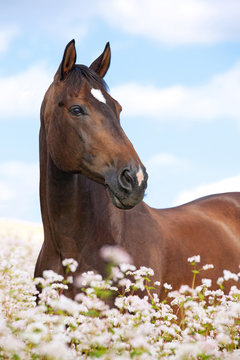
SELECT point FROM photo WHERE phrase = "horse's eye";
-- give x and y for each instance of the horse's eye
(77, 110)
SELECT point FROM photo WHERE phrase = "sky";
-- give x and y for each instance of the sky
(175, 69)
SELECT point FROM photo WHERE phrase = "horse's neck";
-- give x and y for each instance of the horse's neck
(76, 212)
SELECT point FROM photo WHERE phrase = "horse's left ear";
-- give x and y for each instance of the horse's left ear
(68, 60)
(102, 63)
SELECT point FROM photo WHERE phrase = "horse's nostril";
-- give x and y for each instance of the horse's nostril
(126, 180)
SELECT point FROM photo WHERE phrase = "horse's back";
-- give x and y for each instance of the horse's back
(223, 207)
(209, 227)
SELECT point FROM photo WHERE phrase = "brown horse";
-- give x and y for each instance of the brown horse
(90, 174)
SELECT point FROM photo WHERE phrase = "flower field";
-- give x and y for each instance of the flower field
(88, 328)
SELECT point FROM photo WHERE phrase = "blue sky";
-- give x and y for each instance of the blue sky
(175, 69)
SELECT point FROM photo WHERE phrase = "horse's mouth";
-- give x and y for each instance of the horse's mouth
(117, 202)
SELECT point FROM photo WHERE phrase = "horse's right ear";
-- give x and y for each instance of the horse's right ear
(68, 61)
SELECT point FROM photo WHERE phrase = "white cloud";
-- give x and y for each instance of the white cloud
(19, 195)
(163, 159)
(218, 98)
(6, 37)
(224, 185)
(174, 21)
(21, 95)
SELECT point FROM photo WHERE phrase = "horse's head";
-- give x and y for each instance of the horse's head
(83, 130)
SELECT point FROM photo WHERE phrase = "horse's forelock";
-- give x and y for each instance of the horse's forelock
(74, 78)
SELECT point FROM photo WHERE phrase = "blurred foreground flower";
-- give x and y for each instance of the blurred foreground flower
(204, 326)
(115, 255)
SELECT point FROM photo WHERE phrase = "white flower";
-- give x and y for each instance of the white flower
(115, 254)
(229, 275)
(71, 264)
(56, 349)
(157, 283)
(66, 304)
(167, 286)
(220, 280)
(135, 323)
(70, 280)
(116, 273)
(51, 276)
(35, 331)
(126, 267)
(185, 288)
(126, 283)
(139, 341)
(195, 259)
(207, 282)
(88, 278)
(59, 286)
(223, 338)
(10, 342)
(208, 266)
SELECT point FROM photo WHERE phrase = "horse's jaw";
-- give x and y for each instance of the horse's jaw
(116, 202)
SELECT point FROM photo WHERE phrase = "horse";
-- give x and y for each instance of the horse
(92, 183)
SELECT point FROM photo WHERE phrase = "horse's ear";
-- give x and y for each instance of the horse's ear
(68, 61)
(101, 64)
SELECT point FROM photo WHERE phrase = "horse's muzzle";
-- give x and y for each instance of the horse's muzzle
(127, 187)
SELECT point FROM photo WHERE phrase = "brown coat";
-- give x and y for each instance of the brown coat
(92, 183)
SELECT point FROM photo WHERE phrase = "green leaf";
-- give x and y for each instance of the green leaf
(98, 352)
(195, 271)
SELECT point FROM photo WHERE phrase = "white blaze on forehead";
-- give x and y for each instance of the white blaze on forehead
(140, 176)
(98, 95)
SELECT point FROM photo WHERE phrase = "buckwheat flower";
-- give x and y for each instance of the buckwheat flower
(218, 293)
(127, 267)
(116, 273)
(59, 286)
(139, 284)
(115, 254)
(229, 275)
(119, 302)
(139, 341)
(89, 291)
(71, 264)
(209, 347)
(88, 278)
(220, 280)
(70, 280)
(145, 271)
(157, 283)
(55, 349)
(223, 338)
(178, 299)
(35, 331)
(235, 310)
(113, 288)
(195, 259)
(51, 276)
(11, 343)
(207, 282)
(167, 286)
(126, 283)
(208, 266)
(186, 289)
(102, 339)
(234, 291)
(68, 305)
(39, 281)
